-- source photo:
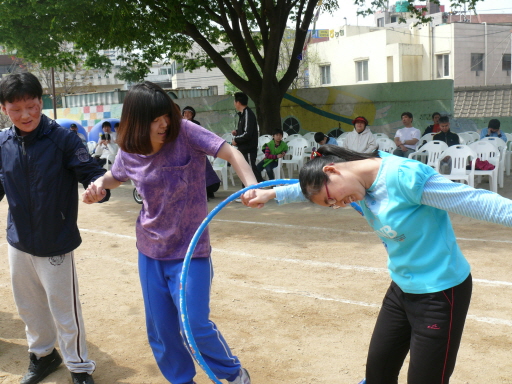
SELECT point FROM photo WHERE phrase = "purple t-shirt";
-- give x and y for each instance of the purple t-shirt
(172, 184)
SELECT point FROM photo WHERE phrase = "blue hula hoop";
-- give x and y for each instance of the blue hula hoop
(196, 354)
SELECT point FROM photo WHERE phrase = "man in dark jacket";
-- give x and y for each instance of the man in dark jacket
(246, 135)
(445, 135)
(41, 164)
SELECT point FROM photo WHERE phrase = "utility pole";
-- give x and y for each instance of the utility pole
(54, 97)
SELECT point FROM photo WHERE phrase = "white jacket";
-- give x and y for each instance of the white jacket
(363, 142)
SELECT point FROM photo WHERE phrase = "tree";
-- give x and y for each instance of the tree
(159, 30)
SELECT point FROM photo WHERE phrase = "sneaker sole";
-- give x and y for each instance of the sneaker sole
(49, 370)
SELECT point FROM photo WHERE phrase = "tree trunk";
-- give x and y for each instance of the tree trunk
(268, 111)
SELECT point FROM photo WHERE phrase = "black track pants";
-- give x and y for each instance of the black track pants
(429, 326)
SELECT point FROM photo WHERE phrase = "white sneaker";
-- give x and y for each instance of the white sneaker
(243, 378)
(238, 200)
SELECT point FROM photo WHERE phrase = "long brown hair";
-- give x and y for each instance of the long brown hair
(143, 104)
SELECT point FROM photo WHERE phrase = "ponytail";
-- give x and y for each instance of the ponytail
(312, 176)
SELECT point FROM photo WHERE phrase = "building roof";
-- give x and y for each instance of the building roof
(483, 101)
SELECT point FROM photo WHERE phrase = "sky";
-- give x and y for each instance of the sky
(349, 10)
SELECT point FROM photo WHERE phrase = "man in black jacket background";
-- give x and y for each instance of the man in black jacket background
(446, 135)
(246, 135)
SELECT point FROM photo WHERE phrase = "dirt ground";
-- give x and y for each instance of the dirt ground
(296, 294)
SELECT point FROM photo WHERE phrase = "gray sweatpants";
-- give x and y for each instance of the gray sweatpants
(46, 293)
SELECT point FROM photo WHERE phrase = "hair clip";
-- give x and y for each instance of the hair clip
(315, 154)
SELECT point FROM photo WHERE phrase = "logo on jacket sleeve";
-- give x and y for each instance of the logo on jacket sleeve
(82, 155)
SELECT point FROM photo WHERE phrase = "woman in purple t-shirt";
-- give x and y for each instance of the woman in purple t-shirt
(165, 157)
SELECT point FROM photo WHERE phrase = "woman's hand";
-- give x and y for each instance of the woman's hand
(94, 193)
(256, 198)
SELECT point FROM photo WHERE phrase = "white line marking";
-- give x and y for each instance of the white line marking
(336, 229)
(322, 264)
(489, 320)
(274, 289)
(107, 233)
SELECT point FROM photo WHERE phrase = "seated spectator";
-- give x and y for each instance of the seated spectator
(407, 137)
(434, 128)
(446, 135)
(321, 139)
(274, 150)
(450, 139)
(107, 137)
(212, 181)
(189, 113)
(73, 127)
(361, 138)
(493, 130)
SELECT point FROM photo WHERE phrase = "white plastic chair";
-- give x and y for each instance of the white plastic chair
(221, 166)
(459, 155)
(465, 138)
(474, 135)
(296, 149)
(502, 146)
(310, 138)
(228, 137)
(508, 156)
(386, 145)
(432, 150)
(285, 136)
(380, 135)
(487, 151)
(293, 137)
(425, 139)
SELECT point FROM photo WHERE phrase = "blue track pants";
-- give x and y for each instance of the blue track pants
(160, 280)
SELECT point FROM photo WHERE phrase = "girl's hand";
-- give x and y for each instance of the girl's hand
(93, 194)
(256, 198)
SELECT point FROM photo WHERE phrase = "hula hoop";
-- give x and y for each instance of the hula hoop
(196, 354)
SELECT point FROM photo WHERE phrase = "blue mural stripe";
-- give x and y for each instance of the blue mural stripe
(316, 110)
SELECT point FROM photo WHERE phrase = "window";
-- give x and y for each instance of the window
(505, 63)
(362, 70)
(443, 65)
(380, 22)
(393, 19)
(325, 73)
(477, 62)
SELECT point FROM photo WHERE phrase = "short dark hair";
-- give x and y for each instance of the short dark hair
(106, 124)
(319, 136)
(143, 103)
(408, 114)
(277, 131)
(436, 114)
(444, 119)
(494, 124)
(241, 98)
(116, 125)
(20, 86)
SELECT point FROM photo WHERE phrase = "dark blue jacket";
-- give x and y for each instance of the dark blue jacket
(40, 174)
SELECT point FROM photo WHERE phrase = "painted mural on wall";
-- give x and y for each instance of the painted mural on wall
(322, 109)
